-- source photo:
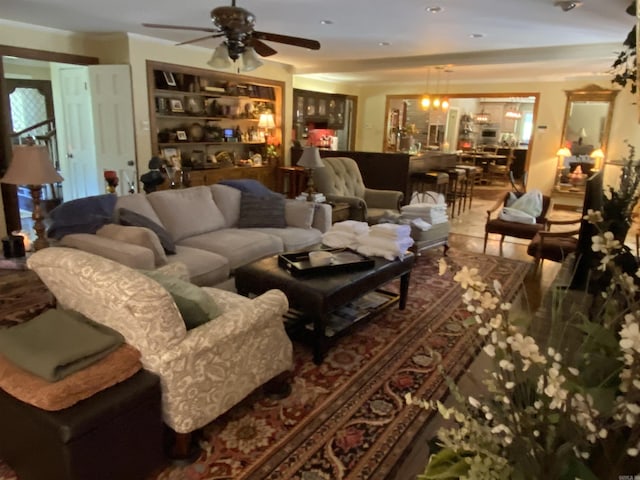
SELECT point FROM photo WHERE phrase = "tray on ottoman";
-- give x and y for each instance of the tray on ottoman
(343, 259)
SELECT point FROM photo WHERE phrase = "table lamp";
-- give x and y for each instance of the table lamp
(32, 166)
(598, 156)
(310, 160)
(561, 153)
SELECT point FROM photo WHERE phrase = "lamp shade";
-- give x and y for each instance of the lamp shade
(220, 57)
(563, 152)
(310, 158)
(598, 154)
(266, 121)
(250, 60)
(31, 165)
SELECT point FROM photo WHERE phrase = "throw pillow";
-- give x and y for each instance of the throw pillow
(138, 236)
(194, 304)
(299, 214)
(248, 185)
(82, 215)
(131, 218)
(262, 211)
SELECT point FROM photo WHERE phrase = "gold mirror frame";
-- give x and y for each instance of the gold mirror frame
(590, 93)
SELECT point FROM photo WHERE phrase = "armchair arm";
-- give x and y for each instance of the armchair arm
(550, 222)
(390, 199)
(493, 208)
(357, 206)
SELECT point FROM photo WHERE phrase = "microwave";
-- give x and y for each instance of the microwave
(489, 133)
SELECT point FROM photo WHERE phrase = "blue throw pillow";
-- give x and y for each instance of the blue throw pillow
(248, 185)
(82, 215)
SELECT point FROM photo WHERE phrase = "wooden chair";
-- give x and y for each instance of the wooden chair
(506, 228)
(500, 171)
(554, 246)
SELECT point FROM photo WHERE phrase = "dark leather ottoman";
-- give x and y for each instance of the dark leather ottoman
(115, 434)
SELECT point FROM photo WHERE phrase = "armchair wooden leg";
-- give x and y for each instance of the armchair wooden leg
(278, 387)
(486, 237)
(183, 449)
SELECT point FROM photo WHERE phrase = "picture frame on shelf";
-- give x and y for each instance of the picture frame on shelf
(171, 155)
(175, 104)
(181, 135)
(169, 79)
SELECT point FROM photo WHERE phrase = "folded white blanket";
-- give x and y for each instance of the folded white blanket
(372, 240)
(423, 207)
(433, 219)
(509, 214)
(352, 226)
(373, 251)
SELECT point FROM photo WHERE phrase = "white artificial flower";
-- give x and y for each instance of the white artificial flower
(496, 321)
(442, 266)
(490, 350)
(488, 301)
(630, 336)
(468, 277)
(593, 216)
(474, 403)
(497, 286)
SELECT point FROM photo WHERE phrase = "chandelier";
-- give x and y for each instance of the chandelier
(435, 101)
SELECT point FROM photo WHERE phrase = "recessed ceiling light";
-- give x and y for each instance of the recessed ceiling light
(434, 9)
(384, 44)
(326, 22)
(476, 35)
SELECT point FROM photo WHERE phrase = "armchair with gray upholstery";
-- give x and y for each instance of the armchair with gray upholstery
(341, 181)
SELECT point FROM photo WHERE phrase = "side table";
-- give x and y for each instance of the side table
(339, 212)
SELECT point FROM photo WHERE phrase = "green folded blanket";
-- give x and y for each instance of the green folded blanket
(58, 343)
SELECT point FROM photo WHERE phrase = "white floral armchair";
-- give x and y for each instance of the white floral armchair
(204, 371)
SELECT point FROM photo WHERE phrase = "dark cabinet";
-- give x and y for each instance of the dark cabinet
(324, 110)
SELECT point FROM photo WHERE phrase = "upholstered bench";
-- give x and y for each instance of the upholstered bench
(115, 434)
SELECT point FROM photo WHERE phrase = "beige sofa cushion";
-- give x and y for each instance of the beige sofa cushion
(187, 212)
(138, 236)
(138, 203)
(228, 200)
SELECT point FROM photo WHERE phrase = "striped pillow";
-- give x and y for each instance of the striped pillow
(260, 211)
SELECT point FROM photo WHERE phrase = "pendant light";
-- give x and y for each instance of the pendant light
(425, 101)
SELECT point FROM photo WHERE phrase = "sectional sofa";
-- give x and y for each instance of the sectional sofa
(211, 229)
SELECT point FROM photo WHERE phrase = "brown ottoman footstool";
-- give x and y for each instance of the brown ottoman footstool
(115, 434)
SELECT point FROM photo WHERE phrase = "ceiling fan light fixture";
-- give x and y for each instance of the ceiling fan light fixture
(250, 60)
(567, 5)
(220, 58)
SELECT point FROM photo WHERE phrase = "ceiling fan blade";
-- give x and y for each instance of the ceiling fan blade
(262, 48)
(179, 27)
(295, 41)
(199, 39)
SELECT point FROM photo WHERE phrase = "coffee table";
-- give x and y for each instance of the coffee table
(318, 295)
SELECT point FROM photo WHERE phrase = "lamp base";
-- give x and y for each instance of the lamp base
(38, 224)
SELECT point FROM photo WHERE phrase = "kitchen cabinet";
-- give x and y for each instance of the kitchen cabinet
(204, 119)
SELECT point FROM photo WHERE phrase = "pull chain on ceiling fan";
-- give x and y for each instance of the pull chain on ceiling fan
(237, 24)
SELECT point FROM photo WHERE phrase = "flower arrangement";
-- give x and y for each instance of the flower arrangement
(562, 400)
(619, 202)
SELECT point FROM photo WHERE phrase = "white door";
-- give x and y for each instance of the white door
(77, 160)
(98, 129)
(112, 106)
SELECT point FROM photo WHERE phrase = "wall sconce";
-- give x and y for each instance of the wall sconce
(598, 157)
(32, 166)
(310, 160)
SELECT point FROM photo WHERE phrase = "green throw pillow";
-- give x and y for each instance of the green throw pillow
(195, 305)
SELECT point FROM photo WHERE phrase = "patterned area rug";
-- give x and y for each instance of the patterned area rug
(346, 418)
(22, 296)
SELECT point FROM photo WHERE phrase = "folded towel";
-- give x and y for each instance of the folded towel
(423, 207)
(391, 230)
(420, 224)
(397, 245)
(337, 239)
(57, 343)
(372, 251)
(352, 226)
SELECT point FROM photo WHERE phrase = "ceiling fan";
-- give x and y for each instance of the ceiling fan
(567, 5)
(236, 25)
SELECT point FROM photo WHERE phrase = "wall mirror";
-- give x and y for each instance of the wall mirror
(587, 122)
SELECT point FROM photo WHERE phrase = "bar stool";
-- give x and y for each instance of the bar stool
(432, 181)
(457, 188)
(473, 174)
